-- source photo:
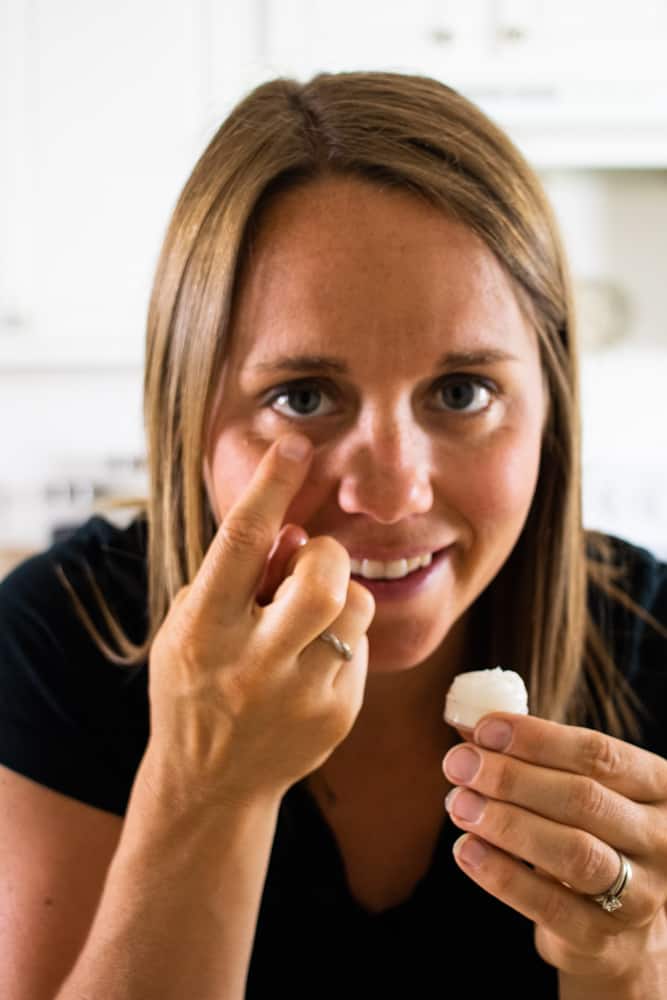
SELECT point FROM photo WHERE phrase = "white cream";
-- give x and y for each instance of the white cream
(477, 692)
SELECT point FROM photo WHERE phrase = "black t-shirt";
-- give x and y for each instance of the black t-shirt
(75, 722)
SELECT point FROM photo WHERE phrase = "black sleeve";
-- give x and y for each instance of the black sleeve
(648, 655)
(69, 718)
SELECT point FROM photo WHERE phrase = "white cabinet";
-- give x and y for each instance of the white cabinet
(105, 106)
(575, 83)
(499, 42)
(102, 110)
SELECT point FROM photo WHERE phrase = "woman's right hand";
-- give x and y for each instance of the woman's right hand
(244, 701)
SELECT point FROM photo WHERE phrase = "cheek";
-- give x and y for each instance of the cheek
(234, 461)
(497, 485)
(232, 465)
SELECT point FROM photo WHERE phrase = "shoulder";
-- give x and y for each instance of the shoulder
(97, 554)
(69, 717)
(633, 623)
(637, 572)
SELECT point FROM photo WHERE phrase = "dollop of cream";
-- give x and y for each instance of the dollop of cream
(477, 692)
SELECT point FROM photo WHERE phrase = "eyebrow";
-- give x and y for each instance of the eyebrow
(319, 362)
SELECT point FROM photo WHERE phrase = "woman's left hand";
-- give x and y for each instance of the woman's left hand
(564, 798)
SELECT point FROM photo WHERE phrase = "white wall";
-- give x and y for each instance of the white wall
(614, 225)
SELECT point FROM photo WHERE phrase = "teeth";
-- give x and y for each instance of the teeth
(373, 569)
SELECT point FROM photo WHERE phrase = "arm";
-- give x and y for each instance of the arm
(164, 924)
(243, 704)
(179, 909)
(55, 855)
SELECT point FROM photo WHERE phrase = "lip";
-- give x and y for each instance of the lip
(408, 586)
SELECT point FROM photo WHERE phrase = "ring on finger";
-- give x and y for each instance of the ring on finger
(338, 644)
(611, 899)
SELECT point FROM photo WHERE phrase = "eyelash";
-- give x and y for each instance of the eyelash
(321, 384)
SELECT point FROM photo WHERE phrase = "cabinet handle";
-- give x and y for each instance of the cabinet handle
(441, 36)
(12, 322)
(510, 33)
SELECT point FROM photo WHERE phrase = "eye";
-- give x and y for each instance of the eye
(467, 395)
(462, 391)
(301, 396)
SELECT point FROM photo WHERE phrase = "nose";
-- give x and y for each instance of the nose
(386, 473)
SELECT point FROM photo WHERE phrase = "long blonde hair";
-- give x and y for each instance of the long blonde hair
(416, 134)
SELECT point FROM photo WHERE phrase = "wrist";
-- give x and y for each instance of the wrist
(159, 817)
(163, 792)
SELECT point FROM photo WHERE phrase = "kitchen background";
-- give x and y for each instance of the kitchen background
(104, 108)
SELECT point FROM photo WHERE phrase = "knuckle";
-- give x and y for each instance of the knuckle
(587, 859)
(504, 824)
(600, 757)
(585, 797)
(503, 781)
(327, 586)
(186, 641)
(505, 881)
(245, 532)
(654, 833)
(324, 594)
(332, 548)
(361, 600)
(645, 910)
(556, 908)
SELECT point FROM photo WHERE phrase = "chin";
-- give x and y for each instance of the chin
(391, 656)
(390, 668)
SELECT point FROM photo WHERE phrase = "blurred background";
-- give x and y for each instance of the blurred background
(104, 108)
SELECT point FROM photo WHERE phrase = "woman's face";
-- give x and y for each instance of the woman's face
(427, 431)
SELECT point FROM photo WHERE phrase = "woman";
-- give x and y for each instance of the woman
(263, 808)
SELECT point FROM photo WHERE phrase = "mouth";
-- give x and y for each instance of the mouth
(398, 569)
(409, 584)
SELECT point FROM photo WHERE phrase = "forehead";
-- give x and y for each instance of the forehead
(343, 259)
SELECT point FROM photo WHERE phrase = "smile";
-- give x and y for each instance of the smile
(373, 569)
(407, 583)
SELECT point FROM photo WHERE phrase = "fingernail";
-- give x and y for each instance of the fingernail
(470, 850)
(496, 735)
(295, 446)
(466, 805)
(462, 764)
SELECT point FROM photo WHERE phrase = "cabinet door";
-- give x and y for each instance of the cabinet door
(304, 37)
(574, 83)
(471, 41)
(103, 103)
(596, 43)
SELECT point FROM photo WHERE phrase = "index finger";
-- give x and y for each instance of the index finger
(233, 566)
(629, 770)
